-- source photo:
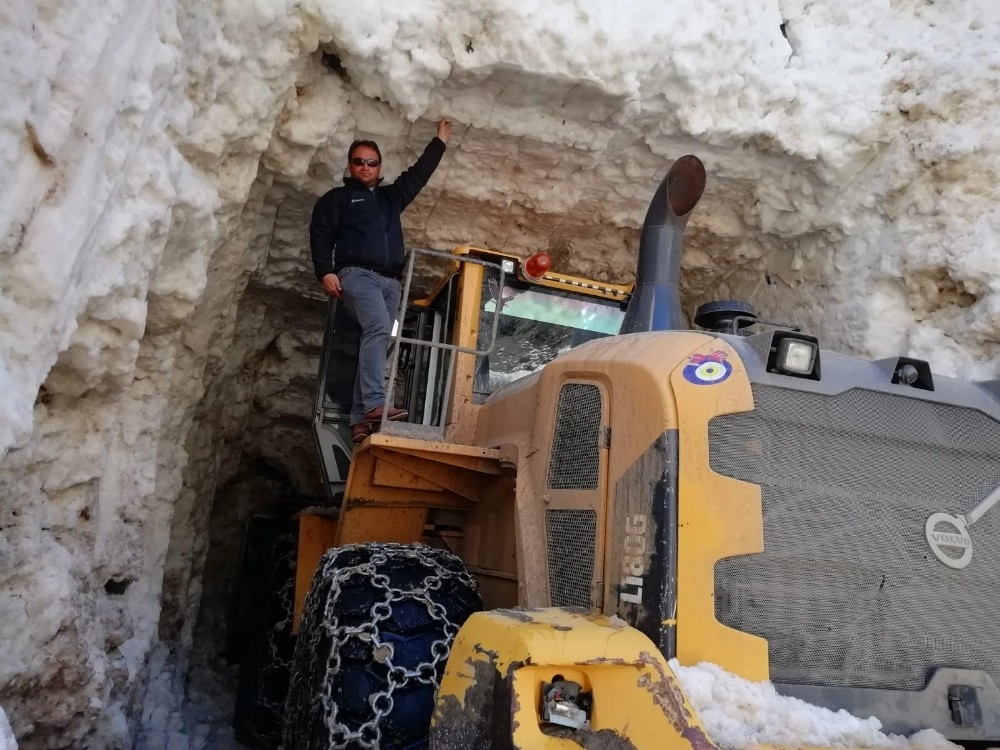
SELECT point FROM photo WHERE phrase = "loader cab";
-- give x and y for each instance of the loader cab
(484, 304)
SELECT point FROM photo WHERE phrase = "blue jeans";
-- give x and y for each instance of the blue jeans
(374, 300)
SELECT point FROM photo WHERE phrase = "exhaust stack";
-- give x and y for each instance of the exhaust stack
(656, 302)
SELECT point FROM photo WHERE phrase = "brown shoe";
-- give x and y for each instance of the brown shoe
(360, 431)
(375, 415)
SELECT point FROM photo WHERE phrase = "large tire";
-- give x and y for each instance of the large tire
(376, 632)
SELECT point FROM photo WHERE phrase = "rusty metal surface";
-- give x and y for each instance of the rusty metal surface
(490, 725)
(507, 652)
(667, 694)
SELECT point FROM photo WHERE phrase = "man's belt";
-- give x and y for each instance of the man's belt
(380, 271)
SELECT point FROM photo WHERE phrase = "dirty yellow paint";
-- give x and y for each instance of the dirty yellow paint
(317, 533)
(394, 480)
(718, 517)
(635, 694)
(554, 279)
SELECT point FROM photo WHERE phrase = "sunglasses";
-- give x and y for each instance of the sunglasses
(359, 162)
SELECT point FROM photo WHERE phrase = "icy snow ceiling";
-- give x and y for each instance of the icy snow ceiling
(159, 322)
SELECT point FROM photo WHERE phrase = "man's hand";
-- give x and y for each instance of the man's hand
(444, 129)
(331, 283)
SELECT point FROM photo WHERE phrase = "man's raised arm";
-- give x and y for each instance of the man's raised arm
(411, 182)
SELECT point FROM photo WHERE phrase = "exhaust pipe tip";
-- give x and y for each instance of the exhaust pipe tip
(655, 304)
(685, 182)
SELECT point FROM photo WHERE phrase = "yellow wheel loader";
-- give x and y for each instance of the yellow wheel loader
(586, 491)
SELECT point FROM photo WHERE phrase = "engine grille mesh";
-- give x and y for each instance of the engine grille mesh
(571, 536)
(847, 590)
(576, 458)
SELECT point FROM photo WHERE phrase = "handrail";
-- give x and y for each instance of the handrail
(399, 338)
(326, 441)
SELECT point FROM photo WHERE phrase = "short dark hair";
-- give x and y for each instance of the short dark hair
(357, 144)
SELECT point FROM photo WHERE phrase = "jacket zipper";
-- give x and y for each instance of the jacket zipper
(385, 244)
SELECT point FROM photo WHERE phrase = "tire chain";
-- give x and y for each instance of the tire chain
(283, 569)
(369, 735)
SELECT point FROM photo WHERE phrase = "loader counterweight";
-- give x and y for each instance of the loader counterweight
(490, 694)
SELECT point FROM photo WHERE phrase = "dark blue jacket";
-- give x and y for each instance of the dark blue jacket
(357, 226)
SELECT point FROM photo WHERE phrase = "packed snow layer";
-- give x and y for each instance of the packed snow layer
(158, 162)
(738, 714)
(7, 740)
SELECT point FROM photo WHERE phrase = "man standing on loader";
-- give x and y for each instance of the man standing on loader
(356, 238)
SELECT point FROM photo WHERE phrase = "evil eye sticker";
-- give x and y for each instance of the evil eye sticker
(707, 369)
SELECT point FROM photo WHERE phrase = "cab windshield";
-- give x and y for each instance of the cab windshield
(536, 325)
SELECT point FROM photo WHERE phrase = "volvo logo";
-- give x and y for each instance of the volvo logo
(949, 539)
(948, 535)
